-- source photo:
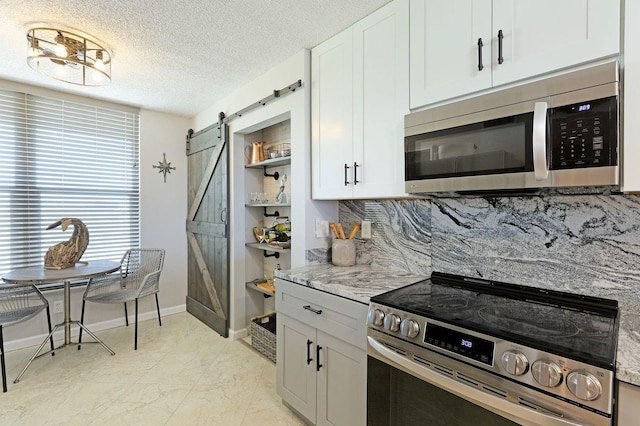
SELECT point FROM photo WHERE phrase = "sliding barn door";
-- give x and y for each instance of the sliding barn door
(207, 227)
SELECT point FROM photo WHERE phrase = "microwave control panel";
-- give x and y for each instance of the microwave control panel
(584, 135)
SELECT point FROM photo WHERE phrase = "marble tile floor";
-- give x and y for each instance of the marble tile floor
(183, 373)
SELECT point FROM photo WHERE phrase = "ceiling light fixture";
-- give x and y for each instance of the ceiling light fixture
(68, 57)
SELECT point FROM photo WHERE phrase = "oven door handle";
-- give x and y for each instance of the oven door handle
(539, 141)
(520, 414)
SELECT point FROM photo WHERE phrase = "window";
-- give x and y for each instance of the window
(65, 159)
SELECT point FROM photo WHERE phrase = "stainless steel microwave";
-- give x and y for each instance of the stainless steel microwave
(557, 132)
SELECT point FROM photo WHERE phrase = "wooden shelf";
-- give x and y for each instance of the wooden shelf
(253, 285)
(267, 205)
(266, 247)
(270, 162)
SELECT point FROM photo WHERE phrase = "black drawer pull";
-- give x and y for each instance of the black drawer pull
(500, 37)
(355, 173)
(318, 365)
(346, 168)
(315, 311)
(309, 359)
(480, 66)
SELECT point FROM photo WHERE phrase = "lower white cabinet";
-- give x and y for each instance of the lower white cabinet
(628, 411)
(321, 355)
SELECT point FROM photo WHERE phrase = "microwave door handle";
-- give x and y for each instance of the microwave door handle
(539, 141)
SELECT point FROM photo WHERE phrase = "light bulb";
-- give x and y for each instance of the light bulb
(99, 64)
(60, 50)
(34, 47)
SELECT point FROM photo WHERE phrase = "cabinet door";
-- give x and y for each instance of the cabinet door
(342, 383)
(295, 373)
(331, 117)
(444, 49)
(628, 408)
(546, 35)
(381, 100)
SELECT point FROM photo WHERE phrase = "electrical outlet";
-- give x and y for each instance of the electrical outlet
(58, 307)
(322, 228)
(365, 231)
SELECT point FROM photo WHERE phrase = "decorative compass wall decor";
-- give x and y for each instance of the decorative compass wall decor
(164, 167)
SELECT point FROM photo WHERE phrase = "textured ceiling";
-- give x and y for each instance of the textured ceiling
(177, 56)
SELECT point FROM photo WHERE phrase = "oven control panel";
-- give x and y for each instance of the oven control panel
(567, 379)
(464, 344)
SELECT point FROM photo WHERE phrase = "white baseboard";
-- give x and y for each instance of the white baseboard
(26, 342)
(238, 334)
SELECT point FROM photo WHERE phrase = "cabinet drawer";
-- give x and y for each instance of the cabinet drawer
(345, 319)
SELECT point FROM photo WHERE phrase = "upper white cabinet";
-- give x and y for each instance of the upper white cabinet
(466, 46)
(444, 38)
(359, 96)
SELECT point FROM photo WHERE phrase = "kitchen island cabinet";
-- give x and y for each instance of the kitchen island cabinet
(321, 355)
(461, 47)
(359, 96)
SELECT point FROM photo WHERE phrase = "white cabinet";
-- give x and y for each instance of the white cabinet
(444, 39)
(519, 40)
(628, 411)
(359, 96)
(321, 355)
(631, 99)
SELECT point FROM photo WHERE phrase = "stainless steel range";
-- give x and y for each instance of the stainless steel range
(453, 350)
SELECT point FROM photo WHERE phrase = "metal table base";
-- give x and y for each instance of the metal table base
(39, 275)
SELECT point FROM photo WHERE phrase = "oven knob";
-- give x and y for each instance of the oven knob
(547, 373)
(375, 317)
(409, 328)
(514, 362)
(584, 385)
(392, 322)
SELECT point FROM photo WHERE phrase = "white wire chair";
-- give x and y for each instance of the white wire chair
(139, 276)
(19, 303)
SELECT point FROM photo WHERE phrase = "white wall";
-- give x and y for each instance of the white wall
(163, 211)
(164, 205)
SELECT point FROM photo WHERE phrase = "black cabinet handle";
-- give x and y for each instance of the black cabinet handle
(346, 168)
(315, 311)
(480, 66)
(500, 37)
(355, 173)
(318, 365)
(309, 359)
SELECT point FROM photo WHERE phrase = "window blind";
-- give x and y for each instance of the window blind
(65, 159)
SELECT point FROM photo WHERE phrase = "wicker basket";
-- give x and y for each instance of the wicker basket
(263, 335)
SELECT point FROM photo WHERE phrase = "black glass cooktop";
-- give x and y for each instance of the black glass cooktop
(579, 327)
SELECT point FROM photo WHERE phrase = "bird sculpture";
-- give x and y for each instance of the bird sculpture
(68, 253)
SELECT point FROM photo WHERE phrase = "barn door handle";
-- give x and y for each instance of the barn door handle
(500, 37)
(480, 66)
(318, 365)
(309, 359)
(223, 215)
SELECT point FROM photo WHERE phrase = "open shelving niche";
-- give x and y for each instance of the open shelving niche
(261, 258)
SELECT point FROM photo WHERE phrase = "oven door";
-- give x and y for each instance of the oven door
(407, 389)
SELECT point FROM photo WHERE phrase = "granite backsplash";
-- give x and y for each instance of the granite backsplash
(584, 244)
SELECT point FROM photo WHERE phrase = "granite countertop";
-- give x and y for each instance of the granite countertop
(361, 282)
